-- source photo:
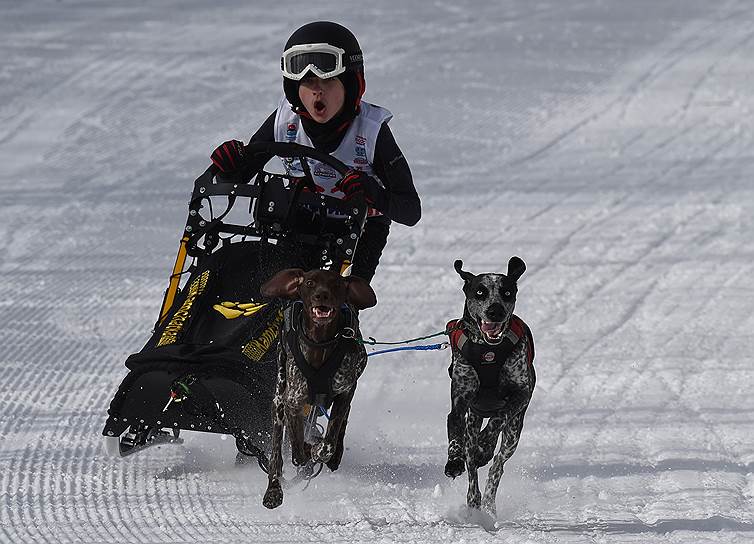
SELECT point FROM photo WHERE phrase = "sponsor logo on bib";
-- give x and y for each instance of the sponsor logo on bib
(290, 134)
(324, 172)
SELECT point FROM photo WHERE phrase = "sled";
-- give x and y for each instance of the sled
(210, 364)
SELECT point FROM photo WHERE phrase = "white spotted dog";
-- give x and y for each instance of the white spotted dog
(320, 359)
(492, 376)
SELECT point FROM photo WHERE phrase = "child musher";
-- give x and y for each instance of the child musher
(323, 81)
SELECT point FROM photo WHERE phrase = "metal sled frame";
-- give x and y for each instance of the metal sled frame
(273, 199)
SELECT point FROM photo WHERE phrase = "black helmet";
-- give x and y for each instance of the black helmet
(343, 59)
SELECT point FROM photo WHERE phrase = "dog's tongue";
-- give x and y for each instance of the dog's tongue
(322, 312)
(491, 329)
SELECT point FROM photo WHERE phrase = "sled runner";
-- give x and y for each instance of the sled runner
(210, 364)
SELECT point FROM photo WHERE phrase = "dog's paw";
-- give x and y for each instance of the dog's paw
(455, 467)
(299, 459)
(322, 452)
(334, 462)
(273, 497)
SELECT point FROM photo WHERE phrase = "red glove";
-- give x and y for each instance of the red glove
(229, 157)
(356, 182)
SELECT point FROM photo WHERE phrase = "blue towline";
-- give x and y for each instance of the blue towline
(427, 347)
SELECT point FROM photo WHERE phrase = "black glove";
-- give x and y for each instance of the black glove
(356, 182)
(229, 156)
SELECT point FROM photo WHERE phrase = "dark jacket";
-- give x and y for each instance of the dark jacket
(398, 201)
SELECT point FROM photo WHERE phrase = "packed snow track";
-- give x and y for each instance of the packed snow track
(607, 143)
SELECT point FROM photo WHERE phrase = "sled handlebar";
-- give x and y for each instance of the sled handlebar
(291, 150)
(287, 150)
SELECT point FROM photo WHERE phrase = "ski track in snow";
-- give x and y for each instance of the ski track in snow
(606, 143)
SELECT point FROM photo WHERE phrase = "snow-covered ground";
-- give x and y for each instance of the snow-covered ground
(607, 142)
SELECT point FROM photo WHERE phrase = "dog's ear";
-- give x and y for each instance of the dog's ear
(284, 284)
(467, 276)
(516, 268)
(360, 293)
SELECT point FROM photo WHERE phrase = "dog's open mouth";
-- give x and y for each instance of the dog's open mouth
(322, 313)
(492, 330)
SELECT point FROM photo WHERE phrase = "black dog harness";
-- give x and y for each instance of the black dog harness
(318, 380)
(488, 360)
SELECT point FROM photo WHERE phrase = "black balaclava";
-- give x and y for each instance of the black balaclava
(327, 136)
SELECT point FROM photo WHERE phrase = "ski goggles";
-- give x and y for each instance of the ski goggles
(321, 59)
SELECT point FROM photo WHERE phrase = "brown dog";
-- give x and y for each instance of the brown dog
(319, 361)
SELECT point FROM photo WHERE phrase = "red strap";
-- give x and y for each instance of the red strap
(454, 332)
(520, 329)
(517, 326)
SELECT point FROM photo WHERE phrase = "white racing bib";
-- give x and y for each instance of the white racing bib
(356, 150)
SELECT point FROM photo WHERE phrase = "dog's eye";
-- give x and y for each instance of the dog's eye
(309, 283)
(481, 293)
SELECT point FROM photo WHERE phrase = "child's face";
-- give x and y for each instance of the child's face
(322, 98)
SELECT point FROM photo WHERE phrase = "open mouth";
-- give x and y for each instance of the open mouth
(492, 331)
(322, 313)
(319, 106)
